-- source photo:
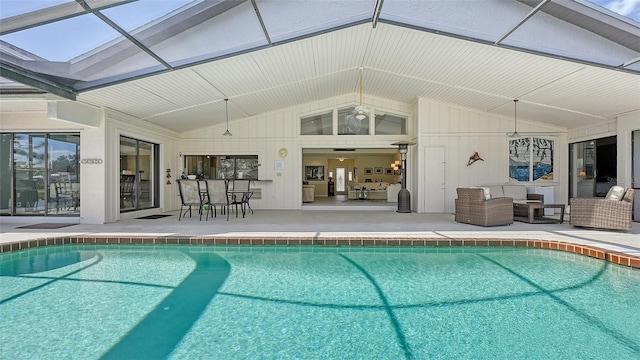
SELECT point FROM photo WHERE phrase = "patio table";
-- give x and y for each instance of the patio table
(532, 213)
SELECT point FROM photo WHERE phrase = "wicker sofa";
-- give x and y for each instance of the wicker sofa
(473, 208)
(518, 193)
(607, 213)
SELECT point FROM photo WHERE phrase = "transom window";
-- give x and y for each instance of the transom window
(349, 122)
(390, 124)
(318, 124)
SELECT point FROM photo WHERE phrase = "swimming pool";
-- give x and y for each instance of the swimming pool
(307, 302)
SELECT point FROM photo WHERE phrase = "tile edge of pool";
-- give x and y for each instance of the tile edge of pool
(353, 241)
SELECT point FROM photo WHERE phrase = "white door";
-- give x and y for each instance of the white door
(435, 186)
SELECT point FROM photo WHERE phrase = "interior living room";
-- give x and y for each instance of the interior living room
(346, 178)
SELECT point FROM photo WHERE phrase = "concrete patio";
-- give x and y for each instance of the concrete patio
(326, 224)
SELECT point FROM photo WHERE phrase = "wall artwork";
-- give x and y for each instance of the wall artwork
(388, 171)
(368, 171)
(314, 173)
(378, 171)
(531, 159)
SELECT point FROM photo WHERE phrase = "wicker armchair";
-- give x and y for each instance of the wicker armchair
(602, 213)
(472, 208)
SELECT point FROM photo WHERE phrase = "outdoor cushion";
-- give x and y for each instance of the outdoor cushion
(527, 201)
(615, 193)
(517, 192)
(495, 191)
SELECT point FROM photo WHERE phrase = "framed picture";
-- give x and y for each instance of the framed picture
(388, 171)
(278, 164)
(378, 171)
(368, 171)
(314, 173)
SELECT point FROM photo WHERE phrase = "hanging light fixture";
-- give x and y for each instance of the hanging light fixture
(361, 111)
(226, 110)
(515, 119)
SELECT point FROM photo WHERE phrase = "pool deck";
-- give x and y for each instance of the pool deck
(329, 228)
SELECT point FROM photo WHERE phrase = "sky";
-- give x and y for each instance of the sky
(628, 8)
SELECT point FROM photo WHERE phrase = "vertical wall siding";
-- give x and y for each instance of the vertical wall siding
(584, 133)
(265, 134)
(461, 132)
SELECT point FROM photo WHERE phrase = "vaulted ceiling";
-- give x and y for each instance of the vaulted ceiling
(569, 63)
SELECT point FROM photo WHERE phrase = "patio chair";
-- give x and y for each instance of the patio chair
(240, 194)
(190, 196)
(612, 212)
(473, 208)
(28, 193)
(127, 189)
(217, 196)
(65, 195)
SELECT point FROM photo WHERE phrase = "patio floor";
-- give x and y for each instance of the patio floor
(370, 225)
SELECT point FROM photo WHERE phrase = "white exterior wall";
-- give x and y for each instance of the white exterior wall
(461, 132)
(99, 139)
(121, 124)
(265, 134)
(621, 127)
(40, 115)
(458, 131)
(626, 124)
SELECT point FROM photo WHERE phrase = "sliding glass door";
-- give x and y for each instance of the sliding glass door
(593, 168)
(39, 174)
(6, 179)
(139, 174)
(635, 172)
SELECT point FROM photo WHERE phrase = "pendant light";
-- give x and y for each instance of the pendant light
(361, 111)
(226, 110)
(515, 119)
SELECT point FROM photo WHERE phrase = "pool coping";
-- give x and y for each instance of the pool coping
(615, 257)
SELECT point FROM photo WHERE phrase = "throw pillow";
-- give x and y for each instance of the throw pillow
(615, 193)
(516, 192)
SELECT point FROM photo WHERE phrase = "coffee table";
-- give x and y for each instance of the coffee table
(532, 213)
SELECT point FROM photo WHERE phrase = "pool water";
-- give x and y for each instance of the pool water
(199, 302)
